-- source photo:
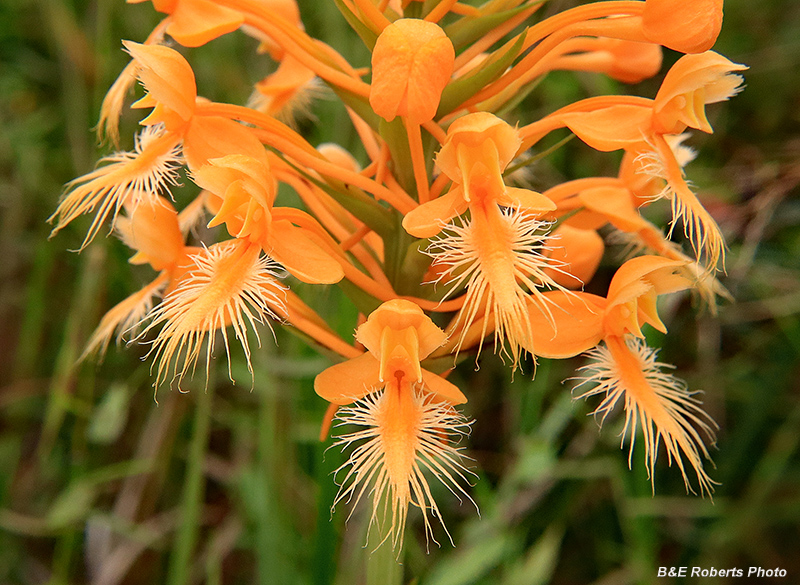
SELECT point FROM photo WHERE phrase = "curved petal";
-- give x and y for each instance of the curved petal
(658, 271)
(429, 219)
(442, 388)
(348, 381)
(611, 128)
(166, 75)
(301, 256)
(577, 254)
(196, 22)
(571, 324)
(526, 200)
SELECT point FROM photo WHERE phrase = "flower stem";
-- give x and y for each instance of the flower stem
(383, 561)
(180, 562)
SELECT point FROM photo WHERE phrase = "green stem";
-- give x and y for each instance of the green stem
(180, 562)
(383, 561)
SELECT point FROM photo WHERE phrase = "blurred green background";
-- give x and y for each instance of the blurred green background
(100, 484)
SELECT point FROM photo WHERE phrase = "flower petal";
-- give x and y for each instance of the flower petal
(196, 22)
(572, 325)
(429, 219)
(611, 128)
(349, 381)
(301, 256)
(442, 388)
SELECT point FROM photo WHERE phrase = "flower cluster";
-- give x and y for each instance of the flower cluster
(430, 224)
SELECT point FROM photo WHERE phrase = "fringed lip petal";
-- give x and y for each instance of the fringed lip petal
(349, 381)
(301, 256)
(572, 324)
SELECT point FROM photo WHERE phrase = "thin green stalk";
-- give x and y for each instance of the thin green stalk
(180, 562)
(383, 561)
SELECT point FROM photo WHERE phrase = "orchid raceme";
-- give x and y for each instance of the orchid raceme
(419, 224)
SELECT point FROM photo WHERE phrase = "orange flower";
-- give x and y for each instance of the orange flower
(649, 128)
(407, 412)
(172, 93)
(497, 253)
(172, 129)
(690, 84)
(626, 367)
(411, 64)
(243, 196)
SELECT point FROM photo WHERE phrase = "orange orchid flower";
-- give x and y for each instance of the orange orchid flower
(408, 414)
(625, 368)
(690, 84)
(174, 133)
(642, 126)
(498, 252)
(245, 191)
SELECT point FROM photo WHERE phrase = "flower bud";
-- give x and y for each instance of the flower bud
(411, 64)
(687, 26)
